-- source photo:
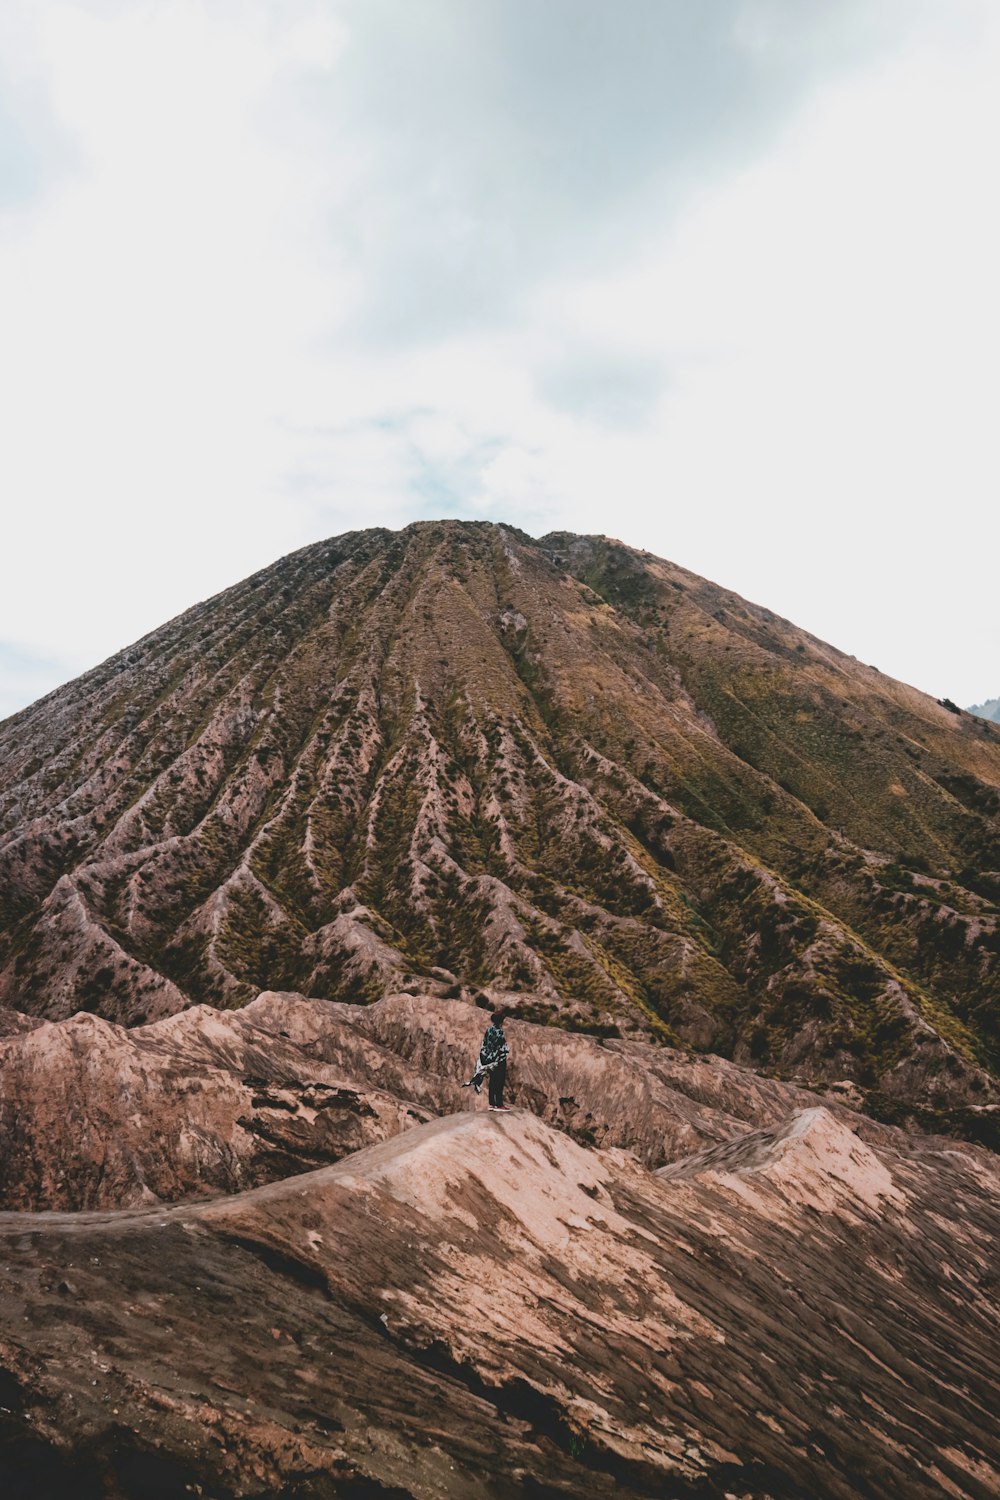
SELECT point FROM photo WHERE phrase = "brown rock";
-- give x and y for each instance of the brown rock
(92, 1115)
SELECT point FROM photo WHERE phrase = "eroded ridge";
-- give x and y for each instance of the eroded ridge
(482, 1307)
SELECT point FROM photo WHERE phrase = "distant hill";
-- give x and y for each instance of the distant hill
(988, 710)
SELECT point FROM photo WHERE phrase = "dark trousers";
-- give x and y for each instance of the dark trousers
(498, 1077)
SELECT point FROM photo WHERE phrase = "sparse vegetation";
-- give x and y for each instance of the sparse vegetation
(641, 804)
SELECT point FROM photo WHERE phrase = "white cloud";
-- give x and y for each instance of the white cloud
(830, 321)
(25, 675)
(154, 309)
(307, 271)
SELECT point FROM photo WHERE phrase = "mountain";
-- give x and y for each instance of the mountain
(988, 710)
(454, 759)
(264, 874)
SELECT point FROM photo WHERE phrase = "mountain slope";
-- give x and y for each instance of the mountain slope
(451, 757)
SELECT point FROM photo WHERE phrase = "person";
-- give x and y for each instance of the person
(493, 1057)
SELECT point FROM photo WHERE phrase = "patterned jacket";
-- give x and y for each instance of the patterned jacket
(494, 1049)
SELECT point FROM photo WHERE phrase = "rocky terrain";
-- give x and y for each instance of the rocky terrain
(623, 800)
(262, 878)
(96, 1116)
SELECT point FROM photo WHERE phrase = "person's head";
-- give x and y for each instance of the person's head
(498, 1016)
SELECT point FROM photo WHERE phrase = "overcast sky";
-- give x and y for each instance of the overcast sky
(719, 277)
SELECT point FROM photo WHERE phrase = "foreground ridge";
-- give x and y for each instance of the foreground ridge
(480, 1307)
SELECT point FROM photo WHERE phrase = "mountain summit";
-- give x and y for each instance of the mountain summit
(619, 798)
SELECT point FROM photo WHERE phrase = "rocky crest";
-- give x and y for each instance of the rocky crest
(988, 710)
(96, 1116)
(626, 800)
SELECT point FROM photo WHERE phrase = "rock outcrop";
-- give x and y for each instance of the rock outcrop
(95, 1116)
(988, 710)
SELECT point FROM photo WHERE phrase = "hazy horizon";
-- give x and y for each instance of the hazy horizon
(719, 281)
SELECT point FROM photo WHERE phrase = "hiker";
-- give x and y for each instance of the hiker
(493, 1057)
(492, 1063)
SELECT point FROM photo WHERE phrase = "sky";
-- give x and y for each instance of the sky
(716, 277)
